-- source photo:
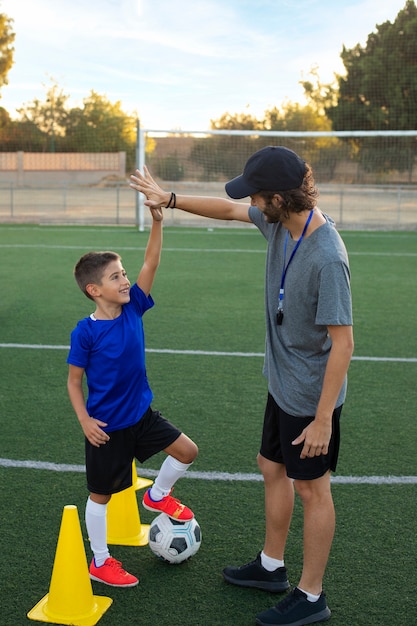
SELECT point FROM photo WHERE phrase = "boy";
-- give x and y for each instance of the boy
(117, 420)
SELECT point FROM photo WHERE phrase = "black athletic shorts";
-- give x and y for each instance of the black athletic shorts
(109, 467)
(280, 429)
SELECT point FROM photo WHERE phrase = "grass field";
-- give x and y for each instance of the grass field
(205, 340)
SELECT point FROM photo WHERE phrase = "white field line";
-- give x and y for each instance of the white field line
(210, 250)
(243, 231)
(213, 476)
(377, 480)
(30, 346)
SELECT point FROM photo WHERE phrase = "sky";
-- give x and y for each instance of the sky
(178, 64)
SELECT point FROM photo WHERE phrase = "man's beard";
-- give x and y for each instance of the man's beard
(273, 215)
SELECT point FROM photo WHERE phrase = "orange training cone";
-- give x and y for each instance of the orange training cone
(137, 481)
(70, 599)
(123, 520)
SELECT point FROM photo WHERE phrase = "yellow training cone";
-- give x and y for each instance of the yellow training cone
(123, 520)
(137, 481)
(70, 599)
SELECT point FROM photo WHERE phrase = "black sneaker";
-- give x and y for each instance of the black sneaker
(295, 610)
(254, 575)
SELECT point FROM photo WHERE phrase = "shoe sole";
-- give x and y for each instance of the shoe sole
(322, 616)
(258, 584)
(176, 519)
(100, 580)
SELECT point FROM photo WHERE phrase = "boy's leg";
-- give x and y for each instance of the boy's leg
(103, 567)
(171, 471)
(183, 449)
(96, 522)
(181, 454)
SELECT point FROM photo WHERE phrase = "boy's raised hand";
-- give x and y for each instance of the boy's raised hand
(157, 214)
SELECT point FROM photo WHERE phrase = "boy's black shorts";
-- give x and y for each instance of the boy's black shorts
(280, 429)
(109, 467)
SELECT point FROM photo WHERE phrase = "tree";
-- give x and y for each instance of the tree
(379, 91)
(98, 126)
(101, 126)
(232, 152)
(319, 96)
(49, 117)
(7, 37)
(238, 121)
(223, 155)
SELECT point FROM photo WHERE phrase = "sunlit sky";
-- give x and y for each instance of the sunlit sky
(179, 64)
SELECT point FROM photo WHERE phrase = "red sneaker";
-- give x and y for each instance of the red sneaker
(112, 573)
(169, 505)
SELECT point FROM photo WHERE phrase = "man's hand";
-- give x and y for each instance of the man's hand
(156, 197)
(316, 438)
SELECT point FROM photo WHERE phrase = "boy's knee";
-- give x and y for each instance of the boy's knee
(190, 454)
(193, 452)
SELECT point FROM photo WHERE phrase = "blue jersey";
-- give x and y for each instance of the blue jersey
(112, 352)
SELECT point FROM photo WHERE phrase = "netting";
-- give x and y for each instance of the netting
(367, 178)
(349, 157)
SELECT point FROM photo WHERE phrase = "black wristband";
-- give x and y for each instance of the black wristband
(168, 205)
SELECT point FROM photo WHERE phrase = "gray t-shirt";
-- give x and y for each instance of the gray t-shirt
(316, 295)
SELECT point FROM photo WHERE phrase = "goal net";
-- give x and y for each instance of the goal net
(365, 178)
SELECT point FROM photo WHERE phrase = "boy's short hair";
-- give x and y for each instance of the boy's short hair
(90, 268)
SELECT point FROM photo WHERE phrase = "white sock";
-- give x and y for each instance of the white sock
(311, 597)
(171, 471)
(96, 522)
(269, 563)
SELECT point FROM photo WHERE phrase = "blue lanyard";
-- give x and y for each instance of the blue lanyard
(280, 313)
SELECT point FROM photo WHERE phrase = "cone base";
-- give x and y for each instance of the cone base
(40, 613)
(141, 539)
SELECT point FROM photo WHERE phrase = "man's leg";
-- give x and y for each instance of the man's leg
(319, 526)
(279, 504)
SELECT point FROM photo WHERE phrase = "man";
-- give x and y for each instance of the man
(309, 344)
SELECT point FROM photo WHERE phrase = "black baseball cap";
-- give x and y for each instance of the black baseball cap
(274, 168)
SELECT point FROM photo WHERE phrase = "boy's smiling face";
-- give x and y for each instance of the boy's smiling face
(114, 286)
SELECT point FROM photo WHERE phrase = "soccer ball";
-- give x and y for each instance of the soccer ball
(174, 541)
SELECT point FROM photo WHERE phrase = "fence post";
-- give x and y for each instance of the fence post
(399, 206)
(140, 160)
(341, 206)
(117, 203)
(20, 167)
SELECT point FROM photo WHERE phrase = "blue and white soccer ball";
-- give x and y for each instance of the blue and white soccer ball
(174, 541)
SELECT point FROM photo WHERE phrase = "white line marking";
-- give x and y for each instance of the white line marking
(212, 476)
(210, 250)
(31, 346)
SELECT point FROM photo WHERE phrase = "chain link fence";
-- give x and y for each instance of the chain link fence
(391, 207)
